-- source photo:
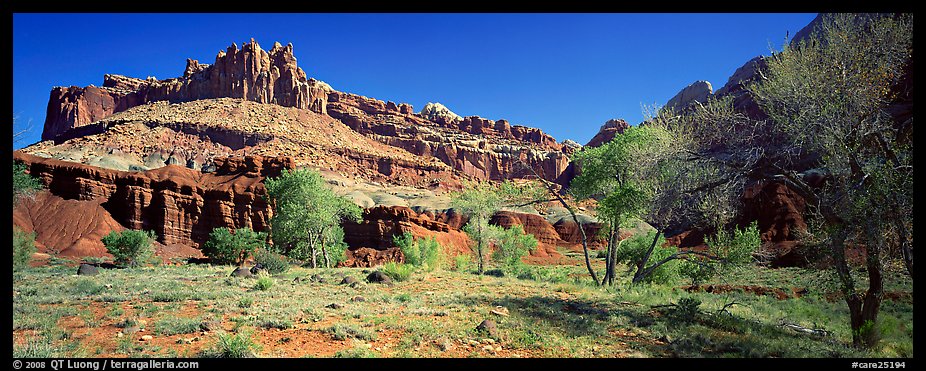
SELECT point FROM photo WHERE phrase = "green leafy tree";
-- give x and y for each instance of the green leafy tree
(830, 97)
(225, 247)
(835, 134)
(481, 200)
(420, 252)
(130, 247)
(24, 184)
(307, 215)
(511, 244)
(23, 248)
(623, 175)
(635, 251)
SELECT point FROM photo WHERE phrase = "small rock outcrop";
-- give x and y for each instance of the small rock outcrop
(607, 132)
(438, 112)
(698, 91)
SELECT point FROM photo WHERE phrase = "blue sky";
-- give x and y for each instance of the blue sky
(563, 73)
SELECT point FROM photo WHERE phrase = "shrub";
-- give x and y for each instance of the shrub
(343, 332)
(225, 247)
(23, 184)
(23, 248)
(232, 346)
(271, 261)
(130, 247)
(264, 283)
(633, 250)
(406, 243)
(735, 248)
(397, 271)
(462, 262)
(277, 323)
(355, 352)
(511, 245)
(177, 325)
(425, 253)
(697, 270)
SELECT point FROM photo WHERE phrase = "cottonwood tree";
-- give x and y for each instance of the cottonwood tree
(481, 200)
(829, 136)
(623, 175)
(307, 215)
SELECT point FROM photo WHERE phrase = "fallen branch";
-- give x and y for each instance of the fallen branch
(804, 330)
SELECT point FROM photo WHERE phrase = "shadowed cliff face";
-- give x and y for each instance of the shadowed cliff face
(181, 205)
(250, 73)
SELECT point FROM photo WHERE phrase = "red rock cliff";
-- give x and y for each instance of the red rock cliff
(249, 73)
(181, 205)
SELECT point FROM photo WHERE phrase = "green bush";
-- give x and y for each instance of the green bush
(271, 261)
(335, 245)
(264, 283)
(425, 253)
(633, 250)
(130, 247)
(406, 243)
(232, 346)
(397, 271)
(697, 270)
(735, 248)
(177, 325)
(23, 248)
(225, 247)
(23, 184)
(462, 262)
(511, 245)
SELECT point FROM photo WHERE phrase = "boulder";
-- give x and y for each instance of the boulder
(242, 272)
(379, 277)
(489, 328)
(698, 91)
(88, 270)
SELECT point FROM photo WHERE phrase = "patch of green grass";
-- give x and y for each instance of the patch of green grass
(357, 351)
(277, 323)
(263, 283)
(87, 286)
(177, 325)
(343, 332)
(245, 302)
(36, 348)
(232, 346)
(170, 296)
(398, 271)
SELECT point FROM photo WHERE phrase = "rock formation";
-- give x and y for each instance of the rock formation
(607, 132)
(249, 73)
(698, 91)
(182, 206)
(474, 146)
(437, 112)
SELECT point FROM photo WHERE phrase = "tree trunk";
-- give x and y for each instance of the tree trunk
(905, 249)
(479, 246)
(641, 271)
(611, 259)
(325, 253)
(872, 303)
(313, 251)
(562, 201)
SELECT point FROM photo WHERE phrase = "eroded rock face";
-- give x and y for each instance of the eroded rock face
(607, 132)
(181, 205)
(250, 73)
(475, 146)
(779, 212)
(698, 91)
